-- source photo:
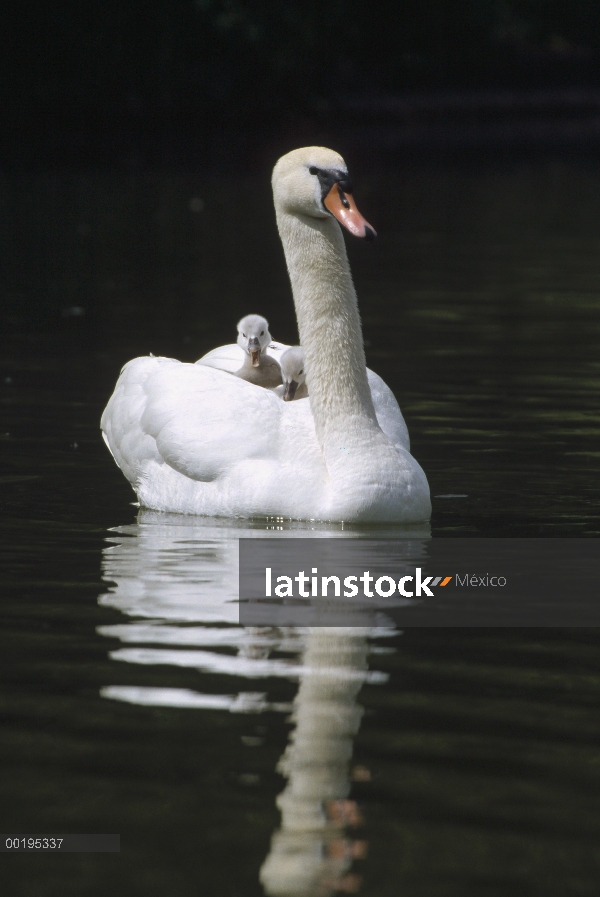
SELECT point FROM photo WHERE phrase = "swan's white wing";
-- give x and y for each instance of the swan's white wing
(389, 416)
(224, 358)
(129, 445)
(231, 358)
(195, 440)
(197, 420)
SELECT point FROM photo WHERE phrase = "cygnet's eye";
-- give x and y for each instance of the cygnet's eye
(313, 170)
(262, 332)
(244, 335)
(301, 372)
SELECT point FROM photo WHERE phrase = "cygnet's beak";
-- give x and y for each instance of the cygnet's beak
(254, 351)
(289, 390)
(342, 206)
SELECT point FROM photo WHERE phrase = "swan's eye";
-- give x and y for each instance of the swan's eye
(301, 372)
(313, 170)
(343, 198)
(262, 332)
(244, 335)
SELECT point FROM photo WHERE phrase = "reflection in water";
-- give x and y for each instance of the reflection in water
(176, 579)
(309, 854)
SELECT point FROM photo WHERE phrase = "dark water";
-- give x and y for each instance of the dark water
(469, 760)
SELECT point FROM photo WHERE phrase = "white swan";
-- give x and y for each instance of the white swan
(192, 439)
(253, 339)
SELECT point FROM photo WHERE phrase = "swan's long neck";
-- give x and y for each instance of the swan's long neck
(330, 332)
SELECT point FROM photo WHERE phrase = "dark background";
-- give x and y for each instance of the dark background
(171, 81)
(211, 91)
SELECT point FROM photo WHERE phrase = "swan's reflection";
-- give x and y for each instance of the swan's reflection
(310, 854)
(176, 581)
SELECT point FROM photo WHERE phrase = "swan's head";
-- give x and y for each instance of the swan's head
(253, 336)
(314, 181)
(292, 371)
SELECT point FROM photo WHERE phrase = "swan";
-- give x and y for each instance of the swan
(192, 439)
(253, 339)
(292, 374)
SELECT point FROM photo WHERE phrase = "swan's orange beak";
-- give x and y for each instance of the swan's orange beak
(342, 206)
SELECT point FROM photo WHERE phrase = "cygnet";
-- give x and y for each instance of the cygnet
(292, 374)
(258, 368)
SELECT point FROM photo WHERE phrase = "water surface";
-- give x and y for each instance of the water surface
(468, 760)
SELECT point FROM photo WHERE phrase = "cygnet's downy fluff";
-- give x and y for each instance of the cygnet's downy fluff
(254, 338)
(292, 374)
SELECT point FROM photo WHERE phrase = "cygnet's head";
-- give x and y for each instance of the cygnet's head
(314, 181)
(253, 336)
(292, 371)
